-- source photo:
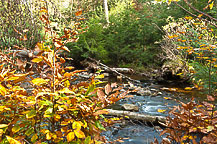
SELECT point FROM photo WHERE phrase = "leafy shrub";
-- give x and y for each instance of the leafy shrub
(128, 39)
(192, 123)
(192, 40)
(53, 108)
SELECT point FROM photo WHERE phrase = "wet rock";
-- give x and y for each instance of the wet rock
(106, 74)
(115, 107)
(155, 90)
(144, 92)
(141, 91)
(159, 93)
(130, 107)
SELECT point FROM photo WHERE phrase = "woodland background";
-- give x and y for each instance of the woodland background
(41, 101)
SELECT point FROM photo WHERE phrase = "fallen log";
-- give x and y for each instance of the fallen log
(122, 70)
(161, 120)
(114, 71)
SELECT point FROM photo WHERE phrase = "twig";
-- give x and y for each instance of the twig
(212, 18)
(195, 15)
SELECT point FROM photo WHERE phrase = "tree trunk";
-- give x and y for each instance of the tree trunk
(106, 10)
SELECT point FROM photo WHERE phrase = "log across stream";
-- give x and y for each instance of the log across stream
(134, 130)
(138, 116)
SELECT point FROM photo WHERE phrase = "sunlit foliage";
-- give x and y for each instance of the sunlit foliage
(43, 103)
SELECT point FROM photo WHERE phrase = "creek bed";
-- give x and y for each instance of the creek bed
(139, 133)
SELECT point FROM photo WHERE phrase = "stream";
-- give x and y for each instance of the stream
(131, 132)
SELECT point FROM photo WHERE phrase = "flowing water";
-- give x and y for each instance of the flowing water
(132, 132)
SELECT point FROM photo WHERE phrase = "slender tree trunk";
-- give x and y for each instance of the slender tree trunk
(106, 10)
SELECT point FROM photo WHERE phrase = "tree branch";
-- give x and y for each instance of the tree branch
(196, 15)
(212, 18)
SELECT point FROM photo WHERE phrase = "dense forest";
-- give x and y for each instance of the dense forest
(55, 56)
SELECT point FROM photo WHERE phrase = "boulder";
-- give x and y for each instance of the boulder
(130, 107)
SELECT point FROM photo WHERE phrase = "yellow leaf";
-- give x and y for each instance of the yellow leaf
(179, 73)
(18, 77)
(77, 125)
(39, 81)
(44, 131)
(170, 37)
(3, 90)
(48, 135)
(13, 78)
(34, 138)
(188, 17)
(66, 90)
(3, 125)
(69, 68)
(66, 84)
(100, 76)
(211, 5)
(160, 110)
(70, 136)
(78, 13)
(79, 134)
(57, 117)
(37, 60)
(200, 15)
(40, 45)
(175, 35)
(1, 132)
(12, 141)
(43, 10)
(62, 60)
(188, 88)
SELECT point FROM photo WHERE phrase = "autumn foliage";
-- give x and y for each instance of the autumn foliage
(44, 103)
(193, 42)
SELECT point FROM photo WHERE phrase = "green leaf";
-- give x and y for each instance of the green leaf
(15, 129)
(31, 114)
(87, 140)
(102, 116)
(90, 89)
(210, 128)
(100, 76)
(77, 125)
(29, 131)
(99, 125)
(49, 111)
